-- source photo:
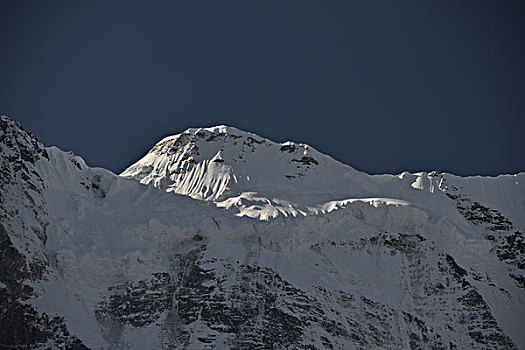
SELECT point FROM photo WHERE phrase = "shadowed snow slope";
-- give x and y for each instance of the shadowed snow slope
(323, 256)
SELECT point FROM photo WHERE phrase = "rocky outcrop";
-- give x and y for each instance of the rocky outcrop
(243, 306)
(509, 245)
(137, 303)
(479, 214)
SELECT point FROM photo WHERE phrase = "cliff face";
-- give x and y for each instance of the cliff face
(233, 241)
(23, 235)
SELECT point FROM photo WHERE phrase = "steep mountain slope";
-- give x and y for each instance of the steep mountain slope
(23, 235)
(421, 260)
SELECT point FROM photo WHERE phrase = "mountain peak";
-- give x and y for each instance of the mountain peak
(18, 143)
(211, 133)
(221, 162)
(263, 179)
(218, 129)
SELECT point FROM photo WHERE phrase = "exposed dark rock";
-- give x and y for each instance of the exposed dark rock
(458, 271)
(513, 248)
(520, 280)
(75, 162)
(479, 214)
(97, 187)
(307, 160)
(509, 248)
(404, 243)
(250, 141)
(483, 328)
(21, 326)
(213, 137)
(288, 148)
(26, 146)
(138, 303)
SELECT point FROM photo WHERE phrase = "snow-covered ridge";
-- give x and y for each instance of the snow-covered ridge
(259, 178)
(243, 171)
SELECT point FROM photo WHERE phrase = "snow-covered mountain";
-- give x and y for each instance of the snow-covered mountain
(230, 240)
(262, 179)
(233, 168)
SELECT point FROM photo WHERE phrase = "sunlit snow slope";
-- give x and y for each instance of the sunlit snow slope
(258, 177)
(262, 179)
(323, 256)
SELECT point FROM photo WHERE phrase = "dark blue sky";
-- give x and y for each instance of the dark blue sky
(381, 85)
